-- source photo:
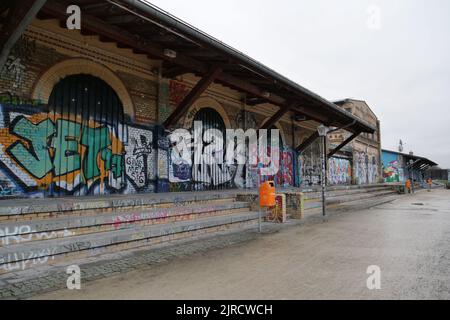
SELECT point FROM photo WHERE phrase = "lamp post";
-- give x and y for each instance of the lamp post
(411, 174)
(322, 131)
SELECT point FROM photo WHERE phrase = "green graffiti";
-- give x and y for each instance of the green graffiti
(95, 140)
(36, 159)
(67, 159)
(98, 140)
(113, 162)
(64, 137)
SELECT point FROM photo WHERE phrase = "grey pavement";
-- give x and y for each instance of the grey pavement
(409, 239)
(36, 281)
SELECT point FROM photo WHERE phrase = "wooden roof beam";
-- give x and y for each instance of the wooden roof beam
(192, 96)
(277, 116)
(173, 72)
(305, 144)
(343, 144)
(19, 17)
(155, 50)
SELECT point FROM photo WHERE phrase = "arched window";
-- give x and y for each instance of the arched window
(211, 176)
(89, 131)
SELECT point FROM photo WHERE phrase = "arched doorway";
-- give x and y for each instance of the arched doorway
(210, 175)
(87, 145)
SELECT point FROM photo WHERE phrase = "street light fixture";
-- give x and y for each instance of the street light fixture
(323, 131)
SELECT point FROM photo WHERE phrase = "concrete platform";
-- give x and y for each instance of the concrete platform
(36, 232)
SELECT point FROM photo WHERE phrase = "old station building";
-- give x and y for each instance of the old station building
(90, 110)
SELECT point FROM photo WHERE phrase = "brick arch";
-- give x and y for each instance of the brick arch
(206, 102)
(44, 85)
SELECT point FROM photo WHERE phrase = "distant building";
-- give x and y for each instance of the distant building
(437, 173)
(95, 111)
(363, 154)
(397, 166)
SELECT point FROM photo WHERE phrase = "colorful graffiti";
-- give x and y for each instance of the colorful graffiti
(309, 166)
(285, 176)
(183, 175)
(45, 153)
(366, 168)
(339, 171)
(391, 166)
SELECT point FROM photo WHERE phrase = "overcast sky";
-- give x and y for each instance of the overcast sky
(397, 61)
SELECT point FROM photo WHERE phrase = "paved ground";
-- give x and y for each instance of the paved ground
(408, 239)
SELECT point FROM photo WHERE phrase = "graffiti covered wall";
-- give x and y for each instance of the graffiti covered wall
(45, 153)
(391, 167)
(339, 171)
(366, 168)
(286, 175)
(184, 176)
(309, 165)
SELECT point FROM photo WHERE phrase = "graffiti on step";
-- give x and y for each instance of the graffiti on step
(25, 233)
(22, 260)
(44, 151)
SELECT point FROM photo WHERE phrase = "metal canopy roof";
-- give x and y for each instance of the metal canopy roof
(149, 30)
(419, 162)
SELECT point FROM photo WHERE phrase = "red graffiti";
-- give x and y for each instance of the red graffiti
(177, 92)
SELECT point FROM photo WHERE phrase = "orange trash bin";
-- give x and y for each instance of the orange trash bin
(267, 194)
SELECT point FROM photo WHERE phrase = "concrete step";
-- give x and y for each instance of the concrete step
(25, 255)
(41, 208)
(316, 203)
(67, 225)
(339, 193)
(346, 187)
(355, 204)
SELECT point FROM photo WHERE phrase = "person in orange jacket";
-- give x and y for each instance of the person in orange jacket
(408, 185)
(430, 183)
